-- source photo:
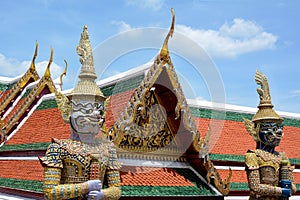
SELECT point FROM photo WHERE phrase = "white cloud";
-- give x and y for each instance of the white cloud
(236, 38)
(10, 67)
(146, 4)
(295, 93)
(123, 26)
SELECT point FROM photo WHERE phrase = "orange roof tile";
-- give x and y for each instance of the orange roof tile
(152, 176)
(115, 107)
(234, 139)
(41, 126)
(21, 169)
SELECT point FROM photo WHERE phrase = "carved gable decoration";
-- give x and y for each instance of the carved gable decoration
(157, 115)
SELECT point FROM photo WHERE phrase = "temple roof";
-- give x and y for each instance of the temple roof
(22, 99)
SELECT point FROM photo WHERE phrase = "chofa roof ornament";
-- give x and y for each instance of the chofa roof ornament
(164, 52)
(265, 107)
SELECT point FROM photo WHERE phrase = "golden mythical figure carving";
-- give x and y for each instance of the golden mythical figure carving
(269, 172)
(82, 167)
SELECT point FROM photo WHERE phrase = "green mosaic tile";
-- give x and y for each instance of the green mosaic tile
(28, 185)
(234, 116)
(25, 147)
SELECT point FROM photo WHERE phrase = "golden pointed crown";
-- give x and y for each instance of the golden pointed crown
(86, 89)
(265, 107)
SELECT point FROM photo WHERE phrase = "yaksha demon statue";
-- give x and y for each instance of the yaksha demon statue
(82, 166)
(269, 172)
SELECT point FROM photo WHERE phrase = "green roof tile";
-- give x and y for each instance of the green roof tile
(28, 185)
(4, 86)
(46, 104)
(122, 86)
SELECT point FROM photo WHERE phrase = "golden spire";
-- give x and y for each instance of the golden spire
(164, 52)
(86, 89)
(47, 72)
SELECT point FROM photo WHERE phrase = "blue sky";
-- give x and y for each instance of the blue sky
(238, 36)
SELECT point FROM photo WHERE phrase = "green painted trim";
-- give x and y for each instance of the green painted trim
(233, 116)
(28, 185)
(122, 86)
(25, 147)
(241, 158)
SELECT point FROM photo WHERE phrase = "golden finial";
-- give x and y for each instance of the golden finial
(63, 74)
(47, 72)
(164, 52)
(32, 66)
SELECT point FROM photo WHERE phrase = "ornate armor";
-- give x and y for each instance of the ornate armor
(263, 172)
(269, 172)
(68, 164)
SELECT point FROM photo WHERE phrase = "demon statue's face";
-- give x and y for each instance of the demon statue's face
(86, 117)
(270, 133)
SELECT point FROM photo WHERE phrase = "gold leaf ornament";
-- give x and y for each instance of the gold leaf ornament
(250, 127)
(64, 105)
